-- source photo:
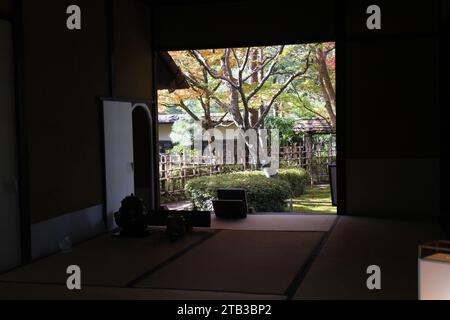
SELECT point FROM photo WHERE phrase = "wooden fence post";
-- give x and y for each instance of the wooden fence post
(302, 155)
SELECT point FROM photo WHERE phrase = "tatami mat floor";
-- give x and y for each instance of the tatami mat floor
(19, 291)
(339, 271)
(309, 257)
(277, 222)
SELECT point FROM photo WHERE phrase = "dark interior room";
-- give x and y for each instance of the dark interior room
(95, 194)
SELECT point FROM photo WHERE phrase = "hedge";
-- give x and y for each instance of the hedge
(297, 179)
(263, 193)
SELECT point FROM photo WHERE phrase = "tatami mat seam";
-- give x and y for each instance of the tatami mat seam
(302, 272)
(130, 283)
(218, 291)
(177, 255)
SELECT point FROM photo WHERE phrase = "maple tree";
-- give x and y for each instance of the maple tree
(249, 83)
(202, 99)
(309, 97)
(326, 77)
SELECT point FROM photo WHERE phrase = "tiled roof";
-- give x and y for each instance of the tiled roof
(313, 126)
(171, 118)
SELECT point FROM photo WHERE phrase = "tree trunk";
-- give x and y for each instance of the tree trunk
(323, 70)
(328, 106)
(234, 107)
(234, 96)
(254, 116)
(254, 64)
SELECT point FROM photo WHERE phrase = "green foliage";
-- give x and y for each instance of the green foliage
(182, 135)
(285, 127)
(210, 94)
(315, 200)
(264, 194)
(297, 179)
(171, 110)
(301, 100)
(168, 198)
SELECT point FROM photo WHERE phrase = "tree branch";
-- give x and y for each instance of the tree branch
(198, 56)
(222, 118)
(307, 108)
(202, 103)
(226, 62)
(216, 87)
(235, 57)
(242, 67)
(268, 74)
(280, 90)
(329, 50)
(262, 65)
(185, 108)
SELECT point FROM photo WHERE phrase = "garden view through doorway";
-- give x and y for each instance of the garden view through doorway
(258, 118)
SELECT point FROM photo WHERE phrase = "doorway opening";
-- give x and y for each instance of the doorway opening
(141, 154)
(128, 154)
(289, 89)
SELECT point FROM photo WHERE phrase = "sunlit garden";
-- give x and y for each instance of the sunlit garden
(287, 90)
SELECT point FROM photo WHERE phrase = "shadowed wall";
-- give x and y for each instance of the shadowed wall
(6, 7)
(132, 53)
(65, 74)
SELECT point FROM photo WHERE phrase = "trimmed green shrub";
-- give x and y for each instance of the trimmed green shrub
(297, 179)
(263, 193)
